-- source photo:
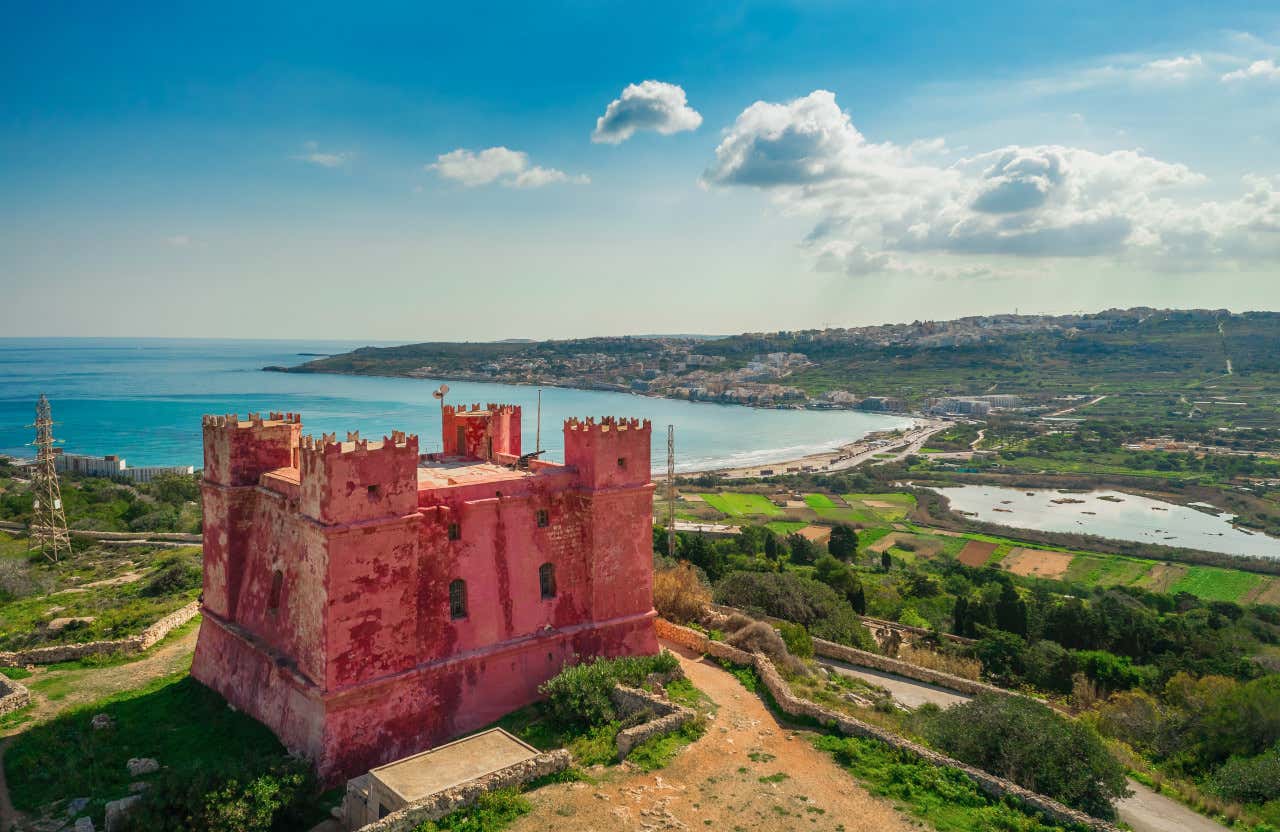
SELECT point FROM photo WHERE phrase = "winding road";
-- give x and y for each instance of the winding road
(1144, 811)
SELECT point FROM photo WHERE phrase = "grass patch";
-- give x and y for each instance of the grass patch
(742, 505)
(659, 751)
(493, 811)
(175, 719)
(785, 527)
(1210, 584)
(16, 672)
(942, 797)
(1101, 570)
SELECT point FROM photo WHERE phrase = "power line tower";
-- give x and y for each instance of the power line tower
(671, 491)
(48, 529)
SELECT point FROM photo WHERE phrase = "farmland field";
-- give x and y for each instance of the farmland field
(1216, 584)
(785, 527)
(741, 505)
(976, 553)
(1038, 562)
(1107, 570)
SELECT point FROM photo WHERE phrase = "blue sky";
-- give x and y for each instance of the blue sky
(415, 171)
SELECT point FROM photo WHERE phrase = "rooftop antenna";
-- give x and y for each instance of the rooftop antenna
(48, 527)
(439, 394)
(671, 491)
(537, 430)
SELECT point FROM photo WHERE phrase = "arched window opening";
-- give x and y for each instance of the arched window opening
(547, 580)
(458, 599)
(277, 586)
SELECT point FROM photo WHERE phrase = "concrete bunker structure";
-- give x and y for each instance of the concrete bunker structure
(367, 602)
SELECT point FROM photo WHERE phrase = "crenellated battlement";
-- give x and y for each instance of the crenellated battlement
(328, 445)
(237, 452)
(609, 452)
(480, 432)
(607, 424)
(358, 479)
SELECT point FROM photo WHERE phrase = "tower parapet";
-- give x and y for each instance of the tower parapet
(480, 433)
(237, 453)
(360, 479)
(611, 453)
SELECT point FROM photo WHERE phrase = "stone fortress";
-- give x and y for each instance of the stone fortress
(366, 602)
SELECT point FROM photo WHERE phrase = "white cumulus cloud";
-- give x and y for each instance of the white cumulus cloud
(499, 165)
(649, 105)
(888, 208)
(1264, 70)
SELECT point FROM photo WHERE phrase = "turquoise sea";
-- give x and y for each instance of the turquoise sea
(143, 399)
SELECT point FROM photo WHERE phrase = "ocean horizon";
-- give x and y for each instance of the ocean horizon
(142, 398)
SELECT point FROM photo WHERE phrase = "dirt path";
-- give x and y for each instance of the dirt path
(716, 782)
(55, 691)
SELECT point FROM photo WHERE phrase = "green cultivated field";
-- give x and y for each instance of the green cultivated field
(741, 505)
(1217, 584)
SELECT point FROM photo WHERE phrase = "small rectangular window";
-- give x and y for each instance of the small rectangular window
(373, 490)
(622, 462)
(455, 531)
(544, 518)
(547, 580)
(458, 599)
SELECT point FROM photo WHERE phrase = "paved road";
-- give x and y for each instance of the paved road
(1146, 811)
(908, 692)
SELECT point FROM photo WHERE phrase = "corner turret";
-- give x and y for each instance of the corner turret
(611, 453)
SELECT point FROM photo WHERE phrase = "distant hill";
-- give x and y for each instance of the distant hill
(1143, 351)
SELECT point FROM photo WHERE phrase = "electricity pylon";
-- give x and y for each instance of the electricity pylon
(48, 529)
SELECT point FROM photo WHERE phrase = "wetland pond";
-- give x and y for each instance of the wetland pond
(1111, 514)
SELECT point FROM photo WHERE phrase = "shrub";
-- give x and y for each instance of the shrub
(678, 594)
(274, 801)
(799, 600)
(494, 810)
(171, 577)
(578, 696)
(759, 637)
(1028, 743)
(16, 580)
(1249, 779)
(796, 637)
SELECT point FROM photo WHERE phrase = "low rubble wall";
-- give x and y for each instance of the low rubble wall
(133, 644)
(668, 717)
(12, 695)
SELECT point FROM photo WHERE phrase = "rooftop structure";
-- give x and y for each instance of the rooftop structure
(367, 602)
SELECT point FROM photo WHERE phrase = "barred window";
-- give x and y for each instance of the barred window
(455, 531)
(547, 579)
(458, 599)
(544, 518)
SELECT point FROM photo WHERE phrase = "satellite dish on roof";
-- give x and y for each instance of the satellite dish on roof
(440, 391)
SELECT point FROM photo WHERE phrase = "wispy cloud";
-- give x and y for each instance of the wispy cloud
(500, 165)
(312, 154)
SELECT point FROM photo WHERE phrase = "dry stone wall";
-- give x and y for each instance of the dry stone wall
(668, 717)
(12, 695)
(127, 646)
(466, 794)
(862, 658)
(789, 703)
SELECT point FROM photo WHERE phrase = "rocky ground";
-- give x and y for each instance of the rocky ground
(748, 772)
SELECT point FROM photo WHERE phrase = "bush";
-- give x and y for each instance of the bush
(799, 600)
(172, 577)
(796, 637)
(274, 801)
(1028, 743)
(1249, 779)
(678, 593)
(578, 697)
(759, 637)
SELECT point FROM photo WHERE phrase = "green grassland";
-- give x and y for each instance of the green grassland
(123, 589)
(785, 527)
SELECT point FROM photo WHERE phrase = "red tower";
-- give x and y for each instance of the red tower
(366, 603)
